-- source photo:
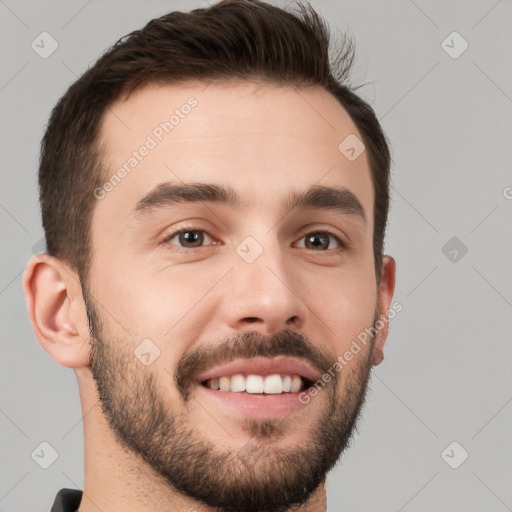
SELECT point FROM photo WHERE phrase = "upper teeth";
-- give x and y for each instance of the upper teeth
(272, 384)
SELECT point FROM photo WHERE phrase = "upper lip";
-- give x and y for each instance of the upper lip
(263, 366)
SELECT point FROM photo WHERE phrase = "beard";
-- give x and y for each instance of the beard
(258, 477)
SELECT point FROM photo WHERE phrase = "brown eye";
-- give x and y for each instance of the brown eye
(188, 238)
(321, 241)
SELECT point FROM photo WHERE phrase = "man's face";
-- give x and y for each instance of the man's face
(178, 289)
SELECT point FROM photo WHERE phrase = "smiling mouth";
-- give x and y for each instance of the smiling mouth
(254, 384)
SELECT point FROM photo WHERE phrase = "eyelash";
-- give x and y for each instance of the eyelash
(340, 249)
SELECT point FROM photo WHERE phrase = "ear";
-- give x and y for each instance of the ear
(385, 295)
(56, 309)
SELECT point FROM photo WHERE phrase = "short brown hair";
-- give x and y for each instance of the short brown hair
(241, 39)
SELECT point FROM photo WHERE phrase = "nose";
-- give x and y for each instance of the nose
(261, 296)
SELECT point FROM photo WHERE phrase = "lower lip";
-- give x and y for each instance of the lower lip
(256, 405)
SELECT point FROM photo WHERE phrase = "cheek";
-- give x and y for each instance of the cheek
(155, 303)
(342, 305)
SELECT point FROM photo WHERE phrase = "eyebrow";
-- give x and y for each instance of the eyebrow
(168, 194)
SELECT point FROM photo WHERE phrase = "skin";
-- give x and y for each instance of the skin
(262, 140)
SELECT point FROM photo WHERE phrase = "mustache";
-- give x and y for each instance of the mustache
(248, 345)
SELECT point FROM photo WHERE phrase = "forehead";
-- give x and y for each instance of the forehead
(260, 139)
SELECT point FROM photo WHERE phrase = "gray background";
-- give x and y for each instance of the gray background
(446, 376)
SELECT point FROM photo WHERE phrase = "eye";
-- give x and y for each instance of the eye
(188, 238)
(193, 238)
(321, 239)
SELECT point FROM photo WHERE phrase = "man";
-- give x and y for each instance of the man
(214, 203)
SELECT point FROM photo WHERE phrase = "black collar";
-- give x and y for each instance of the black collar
(67, 500)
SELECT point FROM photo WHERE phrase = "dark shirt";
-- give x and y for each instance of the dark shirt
(67, 500)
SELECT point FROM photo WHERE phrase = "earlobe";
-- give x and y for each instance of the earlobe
(56, 310)
(385, 296)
